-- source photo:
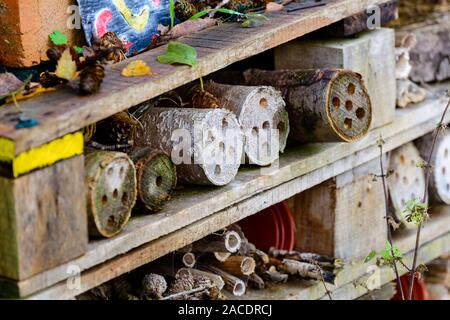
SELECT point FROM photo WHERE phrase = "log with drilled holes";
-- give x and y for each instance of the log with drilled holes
(324, 105)
(407, 181)
(156, 177)
(111, 191)
(205, 144)
(262, 116)
(439, 187)
(371, 54)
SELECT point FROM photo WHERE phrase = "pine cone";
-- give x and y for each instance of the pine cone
(115, 49)
(184, 9)
(153, 286)
(91, 79)
(204, 99)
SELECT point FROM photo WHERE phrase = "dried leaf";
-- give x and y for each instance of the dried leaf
(204, 99)
(30, 94)
(67, 67)
(137, 68)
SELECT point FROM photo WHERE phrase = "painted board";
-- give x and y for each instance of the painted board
(134, 21)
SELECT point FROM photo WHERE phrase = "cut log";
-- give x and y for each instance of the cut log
(256, 281)
(238, 266)
(407, 181)
(111, 191)
(327, 105)
(222, 256)
(409, 93)
(205, 144)
(195, 273)
(228, 242)
(261, 114)
(440, 162)
(371, 54)
(233, 284)
(430, 57)
(189, 260)
(156, 177)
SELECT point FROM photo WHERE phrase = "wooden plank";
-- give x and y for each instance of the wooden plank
(72, 112)
(299, 169)
(359, 22)
(344, 216)
(43, 219)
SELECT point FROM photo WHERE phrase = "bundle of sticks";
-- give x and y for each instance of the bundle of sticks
(220, 266)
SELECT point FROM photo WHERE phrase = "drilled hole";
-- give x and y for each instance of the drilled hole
(281, 126)
(351, 89)
(115, 193)
(266, 125)
(443, 170)
(211, 136)
(405, 180)
(122, 171)
(348, 123)
(402, 159)
(159, 181)
(217, 170)
(446, 153)
(125, 199)
(359, 204)
(110, 171)
(263, 102)
(224, 123)
(111, 221)
(349, 105)
(105, 200)
(360, 113)
(336, 102)
(222, 146)
(255, 131)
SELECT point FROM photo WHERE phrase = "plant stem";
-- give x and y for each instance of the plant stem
(389, 233)
(323, 280)
(425, 199)
(202, 86)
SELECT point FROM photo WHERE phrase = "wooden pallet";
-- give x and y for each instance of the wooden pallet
(64, 112)
(195, 213)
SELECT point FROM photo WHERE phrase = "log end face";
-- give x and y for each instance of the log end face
(112, 192)
(349, 106)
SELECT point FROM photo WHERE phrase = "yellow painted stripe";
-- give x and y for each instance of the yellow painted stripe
(43, 156)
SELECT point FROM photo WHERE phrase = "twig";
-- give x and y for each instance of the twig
(386, 199)
(104, 147)
(185, 293)
(437, 132)
(322, 279)
(220, 5)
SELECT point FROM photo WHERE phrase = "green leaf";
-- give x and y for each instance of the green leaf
(200, 14)
(58, 38)
(371, 255)
(172, 13)
(179, 53)
(397, 252)
(254, 22)
(78, 49)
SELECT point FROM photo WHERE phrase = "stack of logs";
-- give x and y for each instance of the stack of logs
(139, 156)
(219, 266)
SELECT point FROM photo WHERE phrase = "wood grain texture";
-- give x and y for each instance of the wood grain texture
(342, 217)
(359, 22)
(195, 213)
(43, 219)
(371, 54)
(63, 112)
